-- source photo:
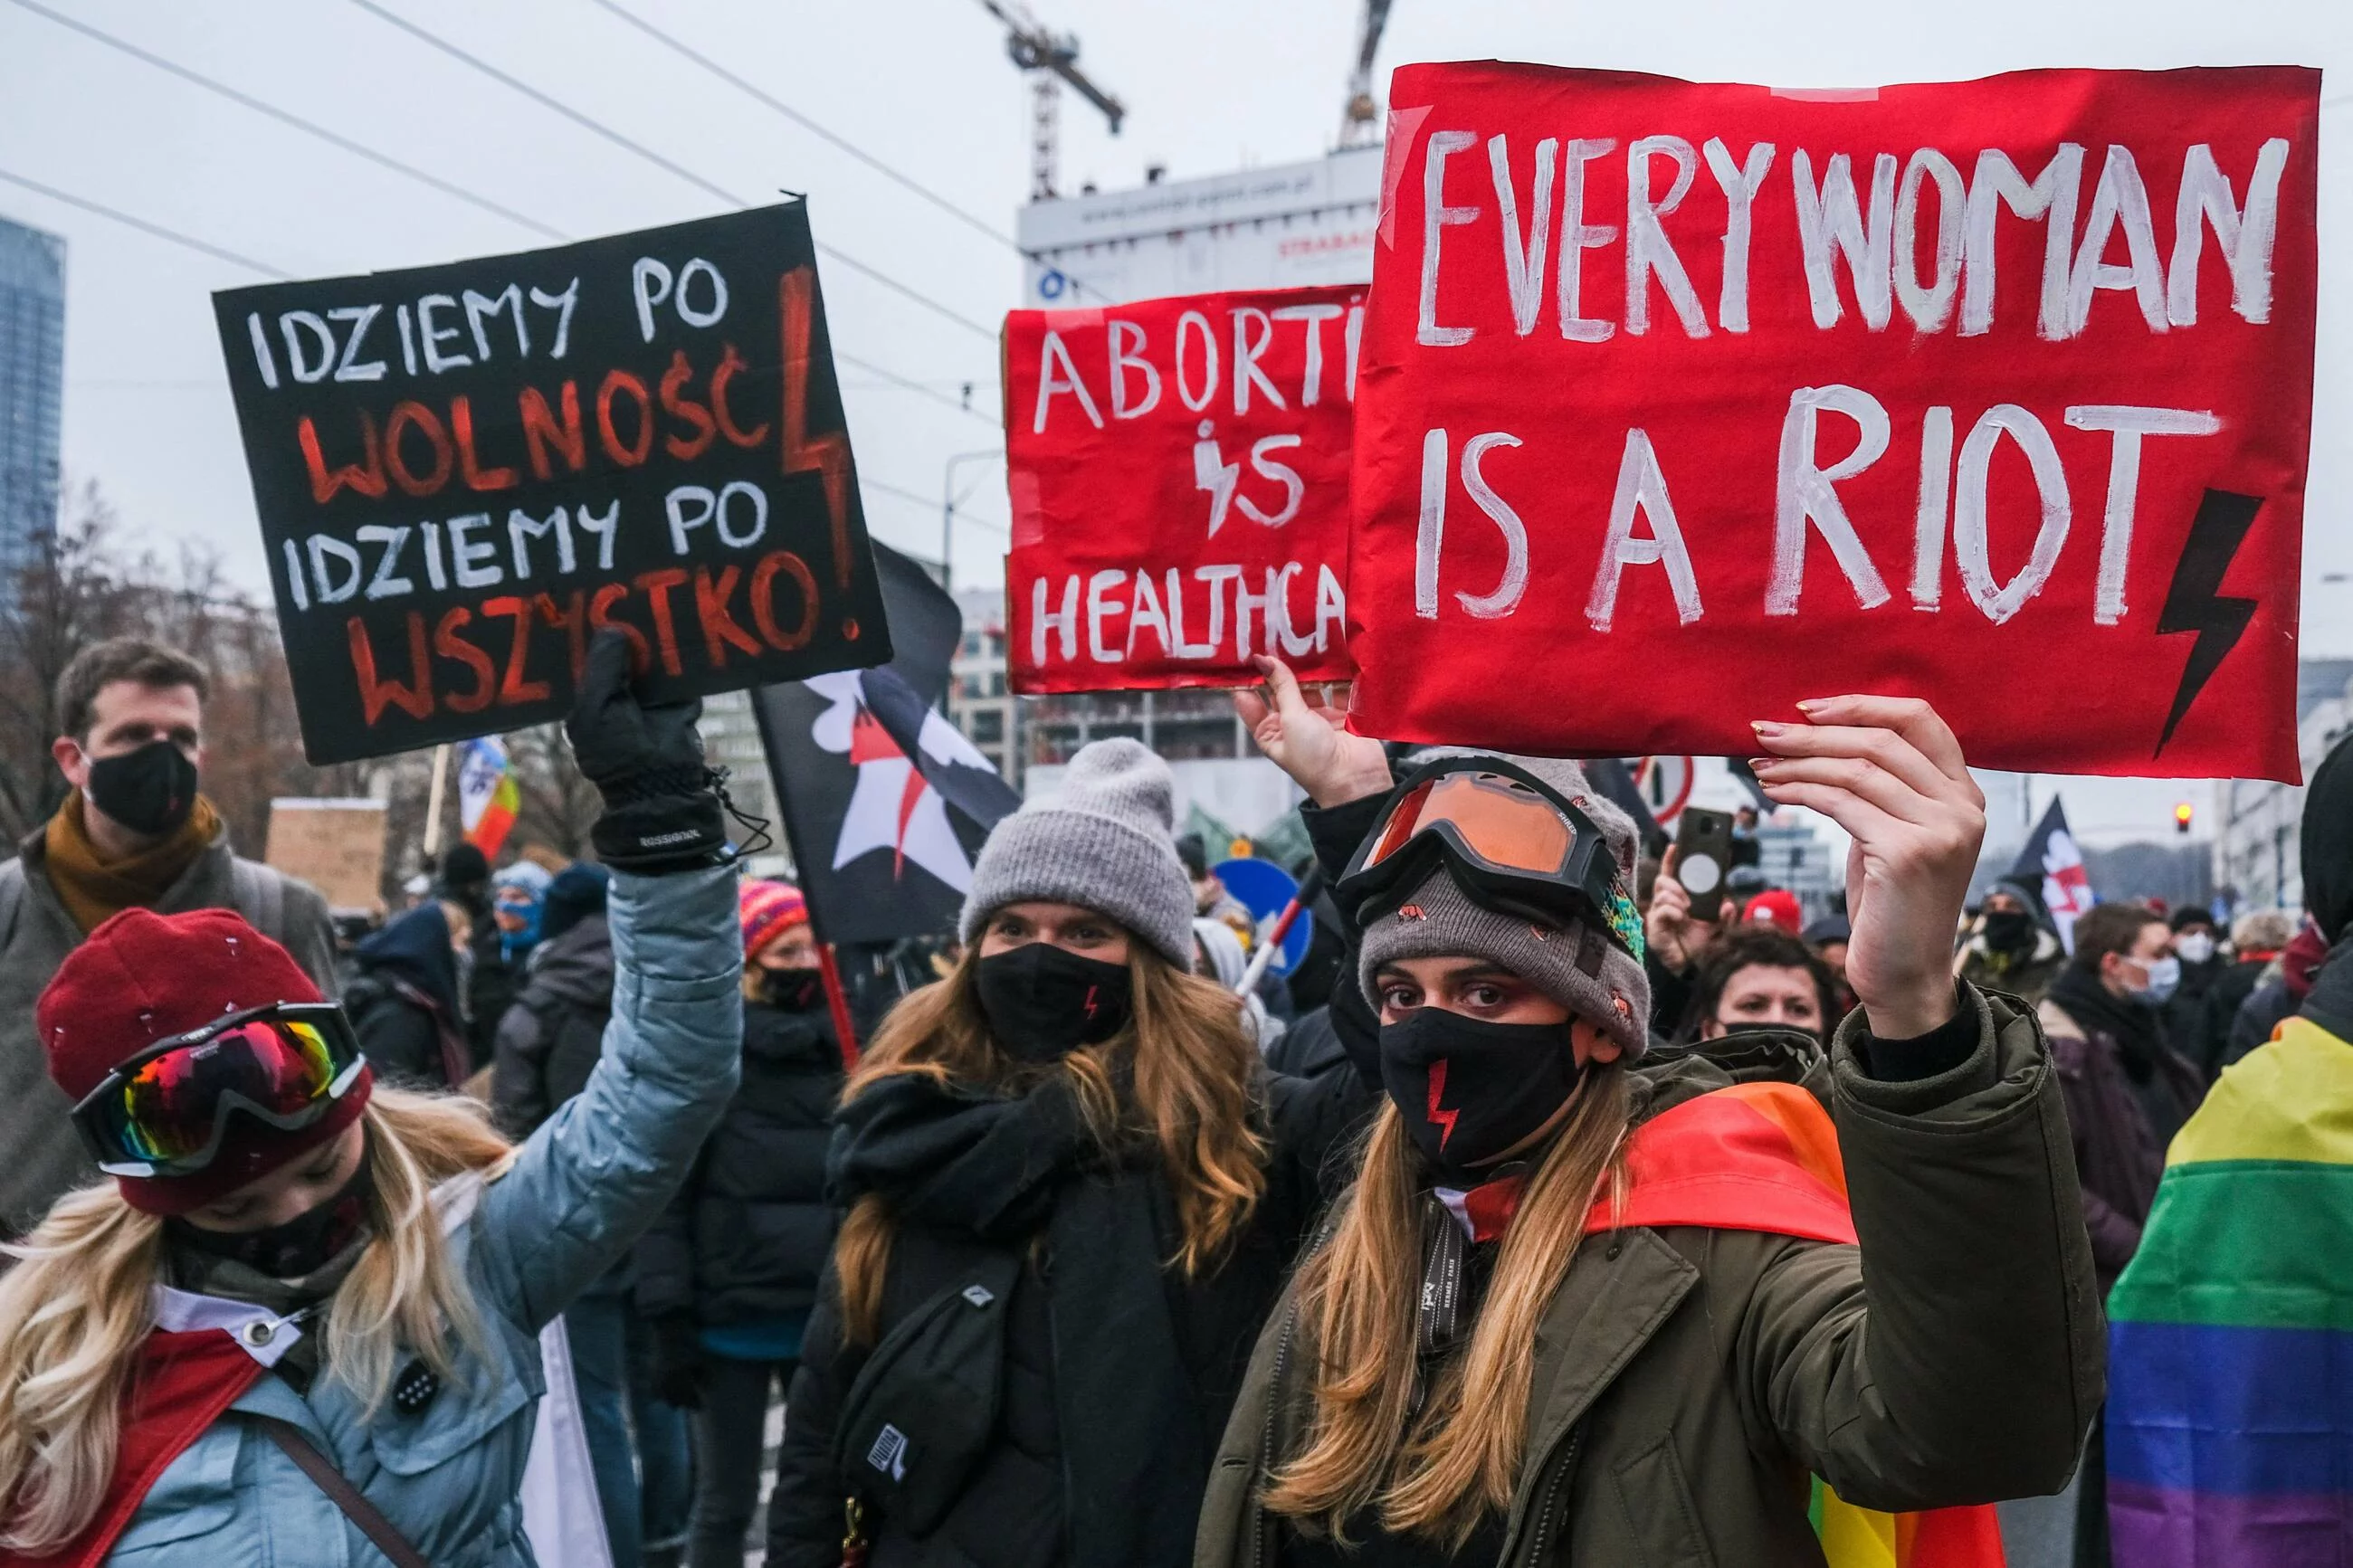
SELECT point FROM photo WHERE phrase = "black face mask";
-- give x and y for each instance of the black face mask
(302, 1245)
(149, 791)
(1044, 1001)
(792, 990)
(1470, 1089)
(2008, 931)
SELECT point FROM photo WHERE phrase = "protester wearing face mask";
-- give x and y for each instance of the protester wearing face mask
(2203, 962)
(727, 1277)
(1072, 1193)
(1754, 978)
(2129, 1091)
(302, 1322)
(1581, 1309)
(517, 895)
(134, 831)
(2010, 949)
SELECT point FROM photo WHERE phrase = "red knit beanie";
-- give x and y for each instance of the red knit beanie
(1776, 906)
(768, 909)
(141, 977)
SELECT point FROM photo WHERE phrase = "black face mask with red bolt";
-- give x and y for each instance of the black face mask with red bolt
(1044, 1001)
(1470, 1089)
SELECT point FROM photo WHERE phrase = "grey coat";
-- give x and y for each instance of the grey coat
(576, 1194)
(43, 1159)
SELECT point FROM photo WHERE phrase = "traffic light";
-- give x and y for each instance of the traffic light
(2181, 817)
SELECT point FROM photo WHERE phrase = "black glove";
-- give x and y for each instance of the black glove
(678, 1362)
(661, 810)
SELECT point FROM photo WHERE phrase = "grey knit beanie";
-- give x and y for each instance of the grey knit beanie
(1576, 965)
(1104, 841)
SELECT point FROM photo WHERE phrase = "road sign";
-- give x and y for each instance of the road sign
(1666, 786)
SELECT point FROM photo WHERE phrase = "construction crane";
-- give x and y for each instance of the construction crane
(1360, 121)
(1049, 59)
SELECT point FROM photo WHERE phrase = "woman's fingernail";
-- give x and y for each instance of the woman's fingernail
(1767, 728)
(1760, 764)
(1811, 704)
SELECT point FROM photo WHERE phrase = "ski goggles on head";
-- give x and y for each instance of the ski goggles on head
(1513, 843)
(164, 1113)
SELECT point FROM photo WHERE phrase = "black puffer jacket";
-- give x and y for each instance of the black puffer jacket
(1119, 1370)
(747, 1236)
(549, 1041)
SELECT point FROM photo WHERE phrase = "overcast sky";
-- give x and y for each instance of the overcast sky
(923, 85)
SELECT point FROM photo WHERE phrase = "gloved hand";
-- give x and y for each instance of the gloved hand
(678, 1360)
(661, 812)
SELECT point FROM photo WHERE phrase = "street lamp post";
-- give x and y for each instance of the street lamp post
(947, 507)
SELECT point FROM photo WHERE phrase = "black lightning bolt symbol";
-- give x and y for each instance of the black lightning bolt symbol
(2195, 602)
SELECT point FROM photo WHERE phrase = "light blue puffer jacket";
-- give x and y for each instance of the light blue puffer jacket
(579, 1192)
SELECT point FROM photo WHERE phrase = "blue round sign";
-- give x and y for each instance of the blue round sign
(1266, 889)
(1051, 284)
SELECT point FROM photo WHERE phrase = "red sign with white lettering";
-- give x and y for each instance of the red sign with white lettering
(1179, 478)
(1692, 401)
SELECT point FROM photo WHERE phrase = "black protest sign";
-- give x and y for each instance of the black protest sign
(464, 471)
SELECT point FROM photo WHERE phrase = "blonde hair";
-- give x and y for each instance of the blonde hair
(76, 1306)
(1193, 1071)
(1437, 1470)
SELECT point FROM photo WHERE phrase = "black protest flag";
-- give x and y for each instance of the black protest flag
(2052, 866)
(884, 800)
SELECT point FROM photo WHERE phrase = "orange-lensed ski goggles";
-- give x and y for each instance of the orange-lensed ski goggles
(1512, 842)
(164, 1111)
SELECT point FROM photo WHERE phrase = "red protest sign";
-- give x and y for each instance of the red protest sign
(1179, 477)
(1700, 400)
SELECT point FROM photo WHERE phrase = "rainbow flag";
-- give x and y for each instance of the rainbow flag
(2230, 1432)
(1765, 1156)
(488, 798)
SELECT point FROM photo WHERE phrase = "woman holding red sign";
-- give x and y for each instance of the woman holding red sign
(1580, 1310)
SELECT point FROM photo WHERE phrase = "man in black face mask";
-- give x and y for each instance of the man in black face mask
(133, 832)
(2010, 949)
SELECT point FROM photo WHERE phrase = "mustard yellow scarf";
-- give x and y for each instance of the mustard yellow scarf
(91, 888)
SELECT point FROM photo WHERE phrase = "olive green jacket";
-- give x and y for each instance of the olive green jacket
(1688, 1381)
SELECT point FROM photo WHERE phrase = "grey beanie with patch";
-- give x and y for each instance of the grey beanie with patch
(1105, 840)
(1578, 965)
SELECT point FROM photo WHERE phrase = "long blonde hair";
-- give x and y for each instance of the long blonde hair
(1193, 1069)
(76, 1306)
(1434, 1472)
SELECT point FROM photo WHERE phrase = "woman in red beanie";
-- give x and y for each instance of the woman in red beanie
(303, 1319)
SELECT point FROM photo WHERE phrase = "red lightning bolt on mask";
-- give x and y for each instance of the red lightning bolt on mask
(1439, 1116)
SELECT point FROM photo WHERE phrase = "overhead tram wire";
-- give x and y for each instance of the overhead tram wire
(284, 117)
(140, 223)
(833, 139)
(932, 505)
(205, 247)
(598, 127)
(361, 150)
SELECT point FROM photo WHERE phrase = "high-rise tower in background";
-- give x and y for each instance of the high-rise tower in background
(32, 387)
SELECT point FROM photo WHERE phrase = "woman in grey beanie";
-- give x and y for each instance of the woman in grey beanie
(1576, 1310)
(1074, 1132)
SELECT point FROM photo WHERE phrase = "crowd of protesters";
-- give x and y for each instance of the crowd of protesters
(1533, 1220)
